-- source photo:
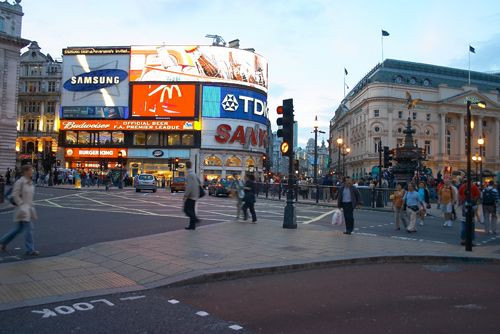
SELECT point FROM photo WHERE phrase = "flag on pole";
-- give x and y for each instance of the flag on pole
(471, 49)
(385, 33)
(345, 71)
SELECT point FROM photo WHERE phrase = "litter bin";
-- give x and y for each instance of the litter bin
(380, 198)
(366, 196)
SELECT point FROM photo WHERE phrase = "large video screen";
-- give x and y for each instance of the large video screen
(198, 63)
(94, 112)
(165, 101)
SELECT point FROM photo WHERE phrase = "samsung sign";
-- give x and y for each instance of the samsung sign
(95, 80)
(237, 103)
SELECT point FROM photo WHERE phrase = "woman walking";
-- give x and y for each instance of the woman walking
(249, 198)
(446, 200)
(413, 205)
(424, 195)
(397, 204)
(25, 212)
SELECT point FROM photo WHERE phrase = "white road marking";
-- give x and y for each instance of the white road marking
(173, 301)
(235, 327)
(367, 234)
(202, 313)
(116, 206)
(319, 217)
(54, 204)
(132, 297)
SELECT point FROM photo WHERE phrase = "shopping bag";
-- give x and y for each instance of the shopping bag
(338, 218)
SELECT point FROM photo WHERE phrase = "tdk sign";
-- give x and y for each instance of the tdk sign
(95, 80)
(226, 102)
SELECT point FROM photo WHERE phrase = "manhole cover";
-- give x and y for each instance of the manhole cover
(293, 248)
(442, 268)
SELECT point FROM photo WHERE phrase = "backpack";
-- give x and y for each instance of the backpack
(489, 197)
(10, 198)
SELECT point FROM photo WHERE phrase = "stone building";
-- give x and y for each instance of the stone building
(38, 106)
(10, 45)
(375, 110)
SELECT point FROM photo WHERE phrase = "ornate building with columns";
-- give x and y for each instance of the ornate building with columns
(11, 15)
(375, 110)
(38, 106)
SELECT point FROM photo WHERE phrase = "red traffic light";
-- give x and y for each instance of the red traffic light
(279, 110)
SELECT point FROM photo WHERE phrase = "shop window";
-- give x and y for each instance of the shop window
(84, 138)
(153, 139)
(118, 137)
(104, 137)
(250, 163)
(187, 139)
(213, 161)
(70, 137)
(233, 162)
(140, 138)
(174, 139)
(30, 147)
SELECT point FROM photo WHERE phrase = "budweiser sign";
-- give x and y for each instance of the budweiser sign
(126, 125)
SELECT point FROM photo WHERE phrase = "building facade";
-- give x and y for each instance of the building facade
(376, 110)
(38, 106)
(10, 45)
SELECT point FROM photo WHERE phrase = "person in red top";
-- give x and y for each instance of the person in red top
(475, 195)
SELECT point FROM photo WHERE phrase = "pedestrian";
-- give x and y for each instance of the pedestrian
(7, 176)
(475, 195)
(489, 200)
(413, 205)
(191, 194)
(446, 198)
(238, 193)
(348, 200)
(249, 198)
(397, 204)
(424, 196)
(25, 213)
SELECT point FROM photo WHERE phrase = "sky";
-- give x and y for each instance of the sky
(308, 43)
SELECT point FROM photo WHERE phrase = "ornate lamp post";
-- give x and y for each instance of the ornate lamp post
(340, 143)
(481, 142)
(316, 126)
(468, 204)
(345, 151)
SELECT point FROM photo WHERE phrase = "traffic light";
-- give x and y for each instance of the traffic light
(296, 165)
(286, 124)
(387, 157)
(176, 164)
(265, 162)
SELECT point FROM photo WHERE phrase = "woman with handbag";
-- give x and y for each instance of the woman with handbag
(397, 205)
(413, 205)
(249, 198)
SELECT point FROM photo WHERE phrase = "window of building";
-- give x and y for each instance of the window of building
(35, 70)
(427, 145)
(414, 115)
(187, 139)
(400, 114)
(427, 117)
(416, 142)
(31, 107)
(52, 86)
(399, 142)
(447, 120)
(84, 138)
(49, 125)
(376, 113)
(104, 137)
(117, 137)
(399, 79)
(413, 81)
(29, 124)
(51, 107)
(212, 161)
(33, 86)
(139, 138)
(174, 139)
(153, 139)
(233, 162)
(375, 144)
(2, 24)
(426, 82)
(427, 132)
(377, 129)
(70, 137)
(400, 130)
(484, 123)
(448, 142)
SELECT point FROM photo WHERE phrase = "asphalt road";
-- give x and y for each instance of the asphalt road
(379, 298)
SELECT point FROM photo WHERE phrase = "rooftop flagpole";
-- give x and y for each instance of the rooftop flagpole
(384, 33)
(471, 50)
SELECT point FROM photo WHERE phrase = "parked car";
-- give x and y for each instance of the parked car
(145, 182)
(222, 187)
(178, 184)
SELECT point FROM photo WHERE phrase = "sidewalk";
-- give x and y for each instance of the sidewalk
(180, 256)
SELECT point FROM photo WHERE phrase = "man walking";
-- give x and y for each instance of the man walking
(348, 199)
(190, 196)
(490, 197)
(238, 193)
(24, 214)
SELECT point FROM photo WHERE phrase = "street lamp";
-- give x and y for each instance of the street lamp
(481, 142)
(316, 126)
(468, 205)
(476, 158)
(340, 142)
(345, 151)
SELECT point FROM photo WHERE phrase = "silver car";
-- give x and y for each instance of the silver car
(145, 182)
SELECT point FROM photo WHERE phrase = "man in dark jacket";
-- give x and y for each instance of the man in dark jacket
(348, 199)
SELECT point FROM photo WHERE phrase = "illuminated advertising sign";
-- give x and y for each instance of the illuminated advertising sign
(198, 63)
(95, 80)
(129, 125)
(229, 102)
(164, 101)
(230, 134)
(95, 152)
(94, 112)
